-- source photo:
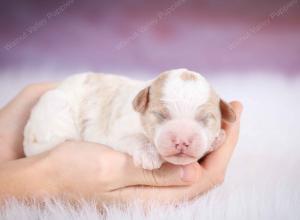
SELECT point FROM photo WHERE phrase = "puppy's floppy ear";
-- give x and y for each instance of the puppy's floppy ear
(227, 111)
(140, 102)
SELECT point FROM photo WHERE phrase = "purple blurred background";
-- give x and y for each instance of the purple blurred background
(248, 49)
(131, 36)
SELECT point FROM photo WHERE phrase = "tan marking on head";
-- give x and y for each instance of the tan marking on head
(187, 76)
(156, 89)
(211, 109)
(155, 104)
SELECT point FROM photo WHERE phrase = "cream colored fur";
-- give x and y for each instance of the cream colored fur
(99, 108)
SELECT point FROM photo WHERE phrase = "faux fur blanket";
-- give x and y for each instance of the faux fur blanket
(263, 179)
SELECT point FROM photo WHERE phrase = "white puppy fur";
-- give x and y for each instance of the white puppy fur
(176, 117)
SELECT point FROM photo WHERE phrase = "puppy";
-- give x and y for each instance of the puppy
(174, 118)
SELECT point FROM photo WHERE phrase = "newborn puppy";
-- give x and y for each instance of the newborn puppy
(175, 118)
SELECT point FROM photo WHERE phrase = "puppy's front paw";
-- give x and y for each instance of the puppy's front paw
(147, 157)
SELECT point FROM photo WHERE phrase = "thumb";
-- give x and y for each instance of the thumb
(167, 175)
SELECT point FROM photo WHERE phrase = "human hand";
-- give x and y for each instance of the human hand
(93, 171)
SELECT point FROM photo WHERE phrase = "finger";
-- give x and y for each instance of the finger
(148, 194)
(161, 194)
(167, 175)
(219, 159)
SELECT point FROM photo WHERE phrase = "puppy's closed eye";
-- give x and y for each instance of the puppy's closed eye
(206, 119)
(161, 116)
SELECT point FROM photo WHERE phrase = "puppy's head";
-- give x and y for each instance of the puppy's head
(182, 115)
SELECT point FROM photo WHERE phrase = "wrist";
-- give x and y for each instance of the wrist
(28, 177)
(43, 174)
(57, 173)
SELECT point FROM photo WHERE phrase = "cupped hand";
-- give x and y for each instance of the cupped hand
(93, 171)
(97, 172)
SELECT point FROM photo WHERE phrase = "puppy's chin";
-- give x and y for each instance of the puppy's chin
(180, 159)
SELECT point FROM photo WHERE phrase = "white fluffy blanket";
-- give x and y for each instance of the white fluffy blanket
(263, 179)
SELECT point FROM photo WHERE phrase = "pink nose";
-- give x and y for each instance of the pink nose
(182, 145)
